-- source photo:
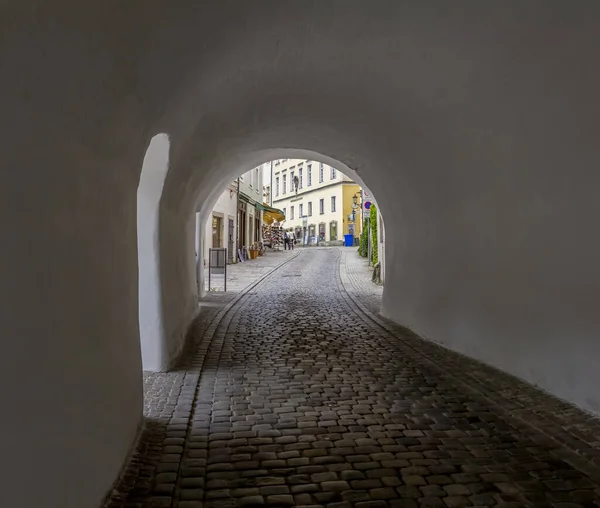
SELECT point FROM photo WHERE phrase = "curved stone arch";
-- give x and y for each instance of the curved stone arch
(181, 277)
(150, 188)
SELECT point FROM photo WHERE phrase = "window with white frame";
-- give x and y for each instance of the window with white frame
(300, 178)
(309, 175)
(283, 210)
(300, 210)
(292, 189)
(333, 174)
(284, 184)
(309, 208)
(291, 212)
(321, 169)
(333, 203)
(321, 206)
(277, 186)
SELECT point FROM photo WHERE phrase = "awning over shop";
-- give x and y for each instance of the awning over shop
(270, 215)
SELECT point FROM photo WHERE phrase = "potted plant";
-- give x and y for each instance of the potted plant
(253, 251)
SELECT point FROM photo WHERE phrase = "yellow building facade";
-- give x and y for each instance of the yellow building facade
(316, 199)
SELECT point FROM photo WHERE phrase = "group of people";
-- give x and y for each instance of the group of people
(289, 241)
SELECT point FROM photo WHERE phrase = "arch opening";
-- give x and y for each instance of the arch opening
(172, 246)
(321, 205)
(206, 199)
(155, 167)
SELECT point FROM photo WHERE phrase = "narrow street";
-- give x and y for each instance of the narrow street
(296, 393)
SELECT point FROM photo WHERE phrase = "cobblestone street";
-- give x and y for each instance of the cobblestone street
(294, 392)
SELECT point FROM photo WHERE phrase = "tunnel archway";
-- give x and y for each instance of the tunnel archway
(154, 171)
(481, 122)
(179, 241)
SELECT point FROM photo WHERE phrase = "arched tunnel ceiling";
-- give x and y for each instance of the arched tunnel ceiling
(474, 123)
(391, 87)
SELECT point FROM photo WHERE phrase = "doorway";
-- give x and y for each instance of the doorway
(217, 232)
(230, 248)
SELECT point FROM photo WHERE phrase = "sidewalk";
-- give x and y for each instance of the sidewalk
(241, 275)
(356, 274)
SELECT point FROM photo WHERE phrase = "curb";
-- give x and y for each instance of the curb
(204, 349)
(246, 290)
(116, 490)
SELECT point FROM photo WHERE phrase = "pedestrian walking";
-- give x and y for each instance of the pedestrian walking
(286, 241)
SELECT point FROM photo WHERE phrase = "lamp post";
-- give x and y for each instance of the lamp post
(355, 206)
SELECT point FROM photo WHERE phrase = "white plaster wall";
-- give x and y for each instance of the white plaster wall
(475, 125)
(71, 150)
(478, 140)
(381, 239)
(226, 208)
(154, 172)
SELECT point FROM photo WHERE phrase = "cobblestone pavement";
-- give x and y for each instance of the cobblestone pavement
(298, 394)
(240, 275)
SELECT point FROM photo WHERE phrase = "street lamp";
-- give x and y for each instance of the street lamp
(355, 205)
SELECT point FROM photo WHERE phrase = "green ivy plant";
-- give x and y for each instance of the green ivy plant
(363, 245)
(374, 246)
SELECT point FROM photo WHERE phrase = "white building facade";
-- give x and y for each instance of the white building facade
(236, 221)
(221, 227)
(249, 215)
(316, 199)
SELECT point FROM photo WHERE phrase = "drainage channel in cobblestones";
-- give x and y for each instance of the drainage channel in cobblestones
(305, 398)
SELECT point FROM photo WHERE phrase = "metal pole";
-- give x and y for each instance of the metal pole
(369, 240)
(271, 187)
(237, 218)
(225, 281)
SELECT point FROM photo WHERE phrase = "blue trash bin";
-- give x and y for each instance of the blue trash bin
(348, 240)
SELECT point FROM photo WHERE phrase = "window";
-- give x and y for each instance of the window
(300, 178)
(283, 210)
(309, 175)
(333, 230)
(333, 203)
(333, 174)
(277, 186)
(217, 232)
(310, 208)
(284, 184)
(291, 212)
(300, 210)
(320, 172)
(321, 206)
(292, 189)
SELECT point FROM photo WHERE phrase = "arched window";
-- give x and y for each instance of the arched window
(321, 231)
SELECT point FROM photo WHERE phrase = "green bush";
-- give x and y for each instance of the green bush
(374, 245)
(363, 244)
